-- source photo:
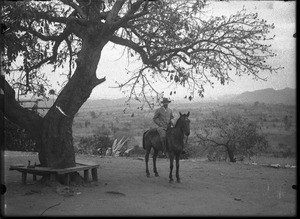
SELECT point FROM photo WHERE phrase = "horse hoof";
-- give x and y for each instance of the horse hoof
(148, 174)
(171, 181)
(178, 181)
(156, 174)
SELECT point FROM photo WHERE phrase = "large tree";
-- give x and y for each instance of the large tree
(174, 40)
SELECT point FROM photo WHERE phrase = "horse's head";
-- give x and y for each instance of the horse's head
(185, 123)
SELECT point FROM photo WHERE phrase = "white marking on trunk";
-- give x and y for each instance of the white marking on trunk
(60, 110)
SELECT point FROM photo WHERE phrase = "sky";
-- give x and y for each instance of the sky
(283, 14)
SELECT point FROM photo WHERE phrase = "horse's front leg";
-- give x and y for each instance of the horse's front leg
(154, 162)
(146, 160)
(177, 168)
(171, 167)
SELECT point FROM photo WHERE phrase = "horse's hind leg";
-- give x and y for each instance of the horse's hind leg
(146, 160)
(171, 167)
(154, 162)
(177, 168)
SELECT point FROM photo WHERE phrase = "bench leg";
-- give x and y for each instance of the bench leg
(24, 177)
(52, 177)
(94, 174)
(67, 177)
(86, 175)
(34, 177)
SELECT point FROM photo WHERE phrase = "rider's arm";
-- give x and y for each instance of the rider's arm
(172, 119)
(156, 119)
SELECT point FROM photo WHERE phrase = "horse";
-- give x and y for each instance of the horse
(174, 144)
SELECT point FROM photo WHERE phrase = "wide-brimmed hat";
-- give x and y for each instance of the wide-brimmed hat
(166, 100)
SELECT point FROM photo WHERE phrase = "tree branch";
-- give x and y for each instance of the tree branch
(132, 45)
(63, 36)
(12, 110)
(75, 7)
(131, 13)
(99, 81)
(113, 14)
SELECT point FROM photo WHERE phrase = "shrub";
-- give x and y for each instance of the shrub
(93, 115)
(94, 145)
(217, 154)
(135, 152)
(87, 123)
(284, 150)
(192, 149)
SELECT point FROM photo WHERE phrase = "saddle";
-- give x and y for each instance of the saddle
(161, 131)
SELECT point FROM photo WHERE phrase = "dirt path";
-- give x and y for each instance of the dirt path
(207, 188)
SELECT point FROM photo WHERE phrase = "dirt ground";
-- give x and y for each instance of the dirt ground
(207, 189)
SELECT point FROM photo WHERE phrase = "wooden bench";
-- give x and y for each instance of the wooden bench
(43, 171)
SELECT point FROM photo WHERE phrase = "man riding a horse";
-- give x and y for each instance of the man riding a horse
(171, 139)
(163, 117)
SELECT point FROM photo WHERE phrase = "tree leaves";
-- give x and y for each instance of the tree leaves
(172, 38)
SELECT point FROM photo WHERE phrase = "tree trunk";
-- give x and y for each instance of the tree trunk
(230, 154)
(57, 148)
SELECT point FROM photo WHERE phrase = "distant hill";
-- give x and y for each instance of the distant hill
(268, 96)
(104, 103)
(96, 104)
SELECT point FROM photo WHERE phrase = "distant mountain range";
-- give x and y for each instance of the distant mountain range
(268, 96)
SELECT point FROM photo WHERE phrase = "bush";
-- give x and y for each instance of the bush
(192, 149)
(135, 152)
(93, 115)
(284, 150)
(94, 145)
(217, 154)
